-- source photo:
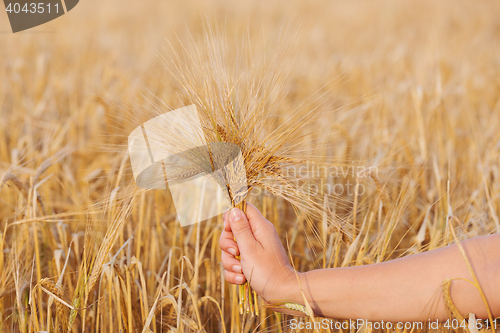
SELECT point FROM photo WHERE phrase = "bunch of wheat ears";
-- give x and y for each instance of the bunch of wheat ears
(238, 103)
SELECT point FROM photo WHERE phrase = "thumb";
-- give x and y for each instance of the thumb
(241, 229)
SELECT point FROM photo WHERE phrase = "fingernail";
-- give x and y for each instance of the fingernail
(238, 278)
(224, 223)
(232, 250)
(235, 214)
(237, 269)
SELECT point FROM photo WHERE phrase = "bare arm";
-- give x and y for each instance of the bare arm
(406, 289)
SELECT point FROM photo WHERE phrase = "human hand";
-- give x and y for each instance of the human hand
(263, 263)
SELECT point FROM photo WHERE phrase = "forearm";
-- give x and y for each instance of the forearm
(407, 289)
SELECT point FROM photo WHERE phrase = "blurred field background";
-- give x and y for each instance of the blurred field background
(416, 89)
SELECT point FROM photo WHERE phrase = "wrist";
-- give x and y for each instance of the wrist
(296, 294)
(294, 290)
(299, 291)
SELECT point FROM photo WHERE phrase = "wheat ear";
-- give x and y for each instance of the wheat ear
(290, 306)
(449, 302)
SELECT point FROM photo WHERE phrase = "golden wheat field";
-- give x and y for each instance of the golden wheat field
(401, 100)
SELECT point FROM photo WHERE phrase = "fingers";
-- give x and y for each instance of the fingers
(229, 251)
(233, 277)
(230, 263)
(249, 229)
(232, 266)
(253, 213)
(240, 227)
(261, 227)
(228, 244)
(225, 217)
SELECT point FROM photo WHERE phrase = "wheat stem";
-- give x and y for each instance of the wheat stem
(246, 302)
